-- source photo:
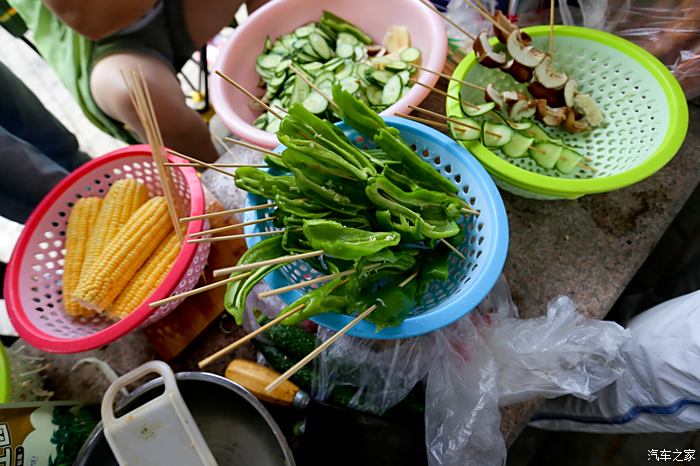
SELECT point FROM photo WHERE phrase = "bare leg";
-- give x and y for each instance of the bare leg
(183, 129)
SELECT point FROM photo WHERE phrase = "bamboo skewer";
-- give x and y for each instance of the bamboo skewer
(232, 237)
(279, 260)
(313, 86)
(454, 249)
(452, 120)
(201, 289)
(447, 76)
(251, 146)
(203, 164)
(231, 227)
(309, 357)
(487, 16)
(422, 120)
(551, 28)
(224, 351)
(217, 165)
(313, 281)
(227, 212)
(443, 93)
(248, 93)
(140, 99)
(457, 26)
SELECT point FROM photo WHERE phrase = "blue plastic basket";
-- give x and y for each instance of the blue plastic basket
(485, 243)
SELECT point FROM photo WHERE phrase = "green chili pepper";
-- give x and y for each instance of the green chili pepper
(432, 212)
(346, 243)
(237, 292)
(262, 183)
(320, 158)
(275, 162)
(401, 180)
(358, 115)
(435, 266)
(302, 124)
(318, 301)
(332, 193)
(338, 24)
(409, 230)
(420, 170)
(394, 303)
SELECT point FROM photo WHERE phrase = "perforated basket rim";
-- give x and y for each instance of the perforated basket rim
(44, 341)
(483, 280)
(537, 183)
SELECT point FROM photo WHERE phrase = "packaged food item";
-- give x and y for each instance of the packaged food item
(44, 433)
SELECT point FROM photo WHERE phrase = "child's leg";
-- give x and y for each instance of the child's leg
(183, 129)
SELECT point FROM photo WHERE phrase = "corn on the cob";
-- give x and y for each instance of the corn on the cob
(124, 255)
(80, 223)
(121, 201)
(147, 279)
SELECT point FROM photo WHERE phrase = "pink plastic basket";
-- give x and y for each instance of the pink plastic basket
(237, 58)
(33, 281)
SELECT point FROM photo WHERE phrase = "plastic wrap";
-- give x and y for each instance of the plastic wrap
(659, 390)
(486, 357)
(669, 29)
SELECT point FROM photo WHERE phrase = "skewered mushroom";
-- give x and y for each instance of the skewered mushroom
(485, 53)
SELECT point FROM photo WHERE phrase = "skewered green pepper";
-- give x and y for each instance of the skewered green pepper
(344, 242)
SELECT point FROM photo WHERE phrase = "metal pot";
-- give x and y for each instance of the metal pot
(236, 426)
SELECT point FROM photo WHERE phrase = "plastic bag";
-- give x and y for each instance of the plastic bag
(469, 363)
(562, 352)
(658, 392)
(669, 29)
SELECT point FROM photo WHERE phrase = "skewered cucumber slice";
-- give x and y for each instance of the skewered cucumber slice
(568, 160)
(496, 135)
(546, 154)
(534, 131)
(469, 132)
(517, 146)
(410, 55)
(479, 109)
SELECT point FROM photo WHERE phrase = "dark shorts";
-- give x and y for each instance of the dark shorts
(164, 36)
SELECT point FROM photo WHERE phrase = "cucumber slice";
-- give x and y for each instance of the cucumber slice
(268, 45)
(315, 103)
(519, 125)
(344, 71)
(534, 131)
(300, 91)
(261, 121)
(304, 31)
(332, 64)
(496, 135)
(470, 131)
(344, 50)
(374, 94)
(308, 50)
(325, 76)
(265, 74)
(326, 87)
(347, 38)
(380, 77)
(405, 76)
(283, 66)
(396, 66)
(546, 154)
(320, 46)
(517, 146)
(287, 41)
(392, 91)
(361, 70)
(479, 109)
(302, 57)
(410, 55)
(350, 84)
(360, 53)
(273, 125)
(568, 160)
(313, 67)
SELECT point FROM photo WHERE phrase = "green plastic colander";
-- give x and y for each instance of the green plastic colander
(646, 115)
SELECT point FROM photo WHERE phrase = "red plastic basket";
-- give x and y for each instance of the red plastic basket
(34, 275)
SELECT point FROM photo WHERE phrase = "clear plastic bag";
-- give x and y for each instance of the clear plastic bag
(669, 29)
(470, 364)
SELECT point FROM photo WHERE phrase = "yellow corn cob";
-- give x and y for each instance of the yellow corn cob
(147, 279)
(124, 255)
(121, 201)
(80, 222)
